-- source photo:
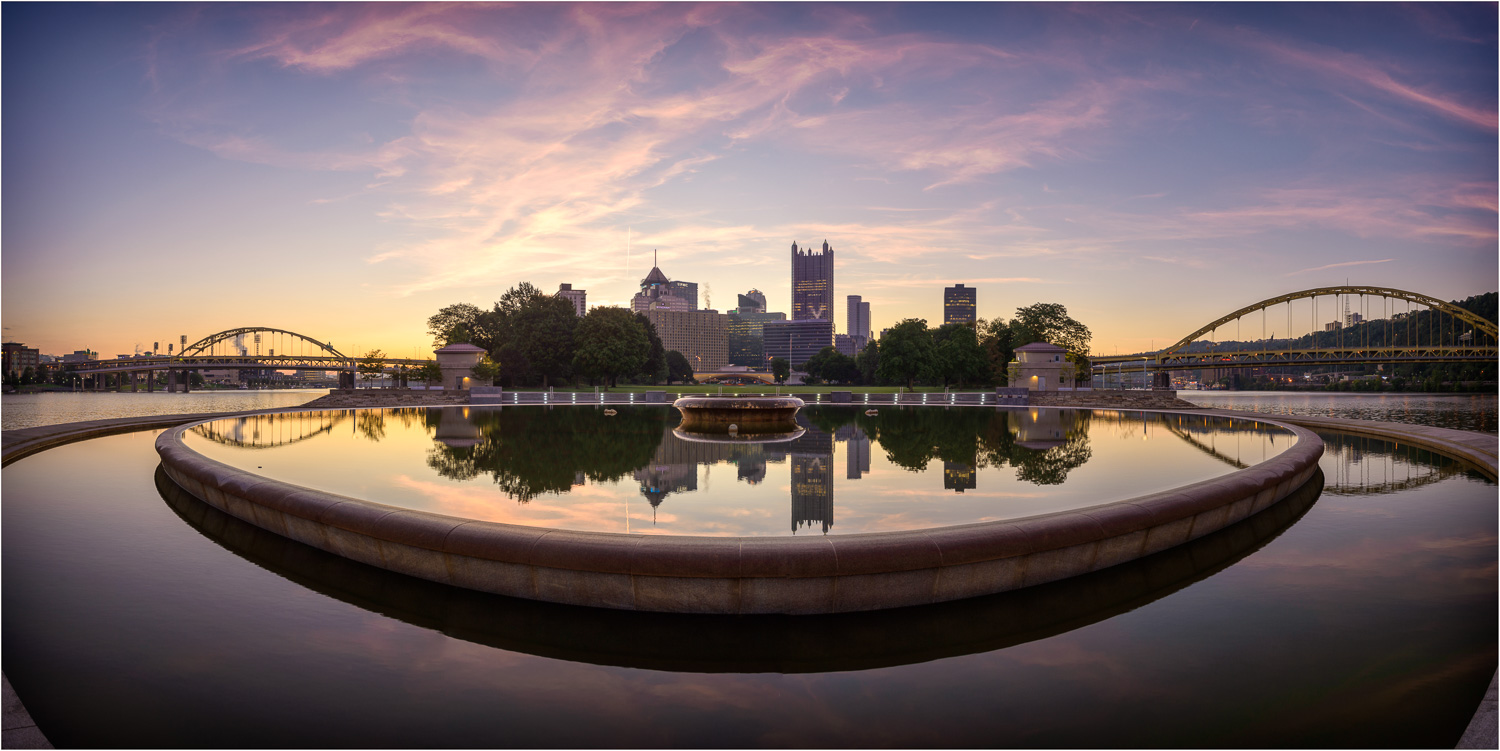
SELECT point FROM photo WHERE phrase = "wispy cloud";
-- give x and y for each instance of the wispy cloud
(1339, 266)
(1356, 69)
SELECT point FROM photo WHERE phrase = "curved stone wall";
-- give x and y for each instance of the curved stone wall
(742, 574)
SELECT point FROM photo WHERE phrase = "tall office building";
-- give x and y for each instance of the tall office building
(578, 297)
(812, 283)
(701, 336)
(747, 337)
(858, 323)
(797, 341)
(959, 304)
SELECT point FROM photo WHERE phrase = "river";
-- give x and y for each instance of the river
(55, 407)
(1474, 412)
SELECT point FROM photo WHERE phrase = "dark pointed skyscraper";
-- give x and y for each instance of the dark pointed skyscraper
(812, 283)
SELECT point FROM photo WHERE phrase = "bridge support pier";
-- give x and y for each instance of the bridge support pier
(150, 381)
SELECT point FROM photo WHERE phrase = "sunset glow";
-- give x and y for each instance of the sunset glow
(346, 170)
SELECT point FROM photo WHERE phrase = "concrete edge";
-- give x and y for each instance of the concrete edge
(744, 575)
(20, 730)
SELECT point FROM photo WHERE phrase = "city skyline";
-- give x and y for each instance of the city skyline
(345, 171)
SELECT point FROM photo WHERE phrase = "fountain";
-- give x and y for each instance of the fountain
(745, 414)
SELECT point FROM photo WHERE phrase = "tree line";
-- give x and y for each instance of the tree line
(533, 338)
(954, 354)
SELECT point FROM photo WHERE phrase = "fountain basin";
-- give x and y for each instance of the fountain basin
(749, 414)
(746, 575)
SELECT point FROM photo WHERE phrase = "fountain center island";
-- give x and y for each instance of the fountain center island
(748, 414)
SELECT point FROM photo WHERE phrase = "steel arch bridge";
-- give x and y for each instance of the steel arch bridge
(1401, 338)
(206, 345)
(227, 350)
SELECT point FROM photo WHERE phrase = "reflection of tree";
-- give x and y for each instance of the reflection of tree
(914, 436)
(1051, 466)
(370, 423)
(533, 450)
(1042, 445)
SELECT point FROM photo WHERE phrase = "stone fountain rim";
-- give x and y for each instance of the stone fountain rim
(837, 573)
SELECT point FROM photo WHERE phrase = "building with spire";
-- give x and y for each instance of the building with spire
(658, 293)
(812, 283)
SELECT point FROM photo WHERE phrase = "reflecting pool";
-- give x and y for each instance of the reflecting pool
(1364, 615)
(580, 468)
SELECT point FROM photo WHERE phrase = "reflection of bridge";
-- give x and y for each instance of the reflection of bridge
(228, 350)
(1361, 465)
(1392, 326)
(271, 430)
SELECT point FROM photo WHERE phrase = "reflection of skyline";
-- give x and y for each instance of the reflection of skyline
(812, 491)
(856, 450)
(958, 477)
(674, 467)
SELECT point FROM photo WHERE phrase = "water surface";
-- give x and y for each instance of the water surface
(1364, 618)
(57, 407)
(847, 472)
(1476, 412)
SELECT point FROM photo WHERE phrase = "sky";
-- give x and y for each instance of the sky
(346, 170)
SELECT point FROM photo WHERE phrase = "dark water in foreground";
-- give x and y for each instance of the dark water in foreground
(1365, 616)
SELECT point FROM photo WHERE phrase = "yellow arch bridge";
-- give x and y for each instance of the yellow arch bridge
(1371, 325)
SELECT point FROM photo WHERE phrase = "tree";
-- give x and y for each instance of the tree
(905, 352)
(995, 339)
(453, 324)
(957, 356)
(485, 371)
(427, 372)
(833, 366)
(780, 369)
(371, 365)
(655, 367)
(678, 367)
(868, 361)
(610, 343)
(1050, 323)
(544, 327)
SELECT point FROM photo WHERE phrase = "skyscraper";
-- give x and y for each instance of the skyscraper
(858, 326)
(959, 304)
(747, 337)
(812, 283)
